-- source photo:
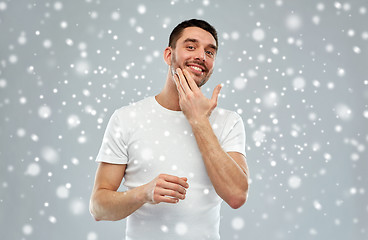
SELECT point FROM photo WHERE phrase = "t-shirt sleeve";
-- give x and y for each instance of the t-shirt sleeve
(114, 147)
(234, 140)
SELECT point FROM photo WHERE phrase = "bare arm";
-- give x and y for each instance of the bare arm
(228, 171)
(108, 204)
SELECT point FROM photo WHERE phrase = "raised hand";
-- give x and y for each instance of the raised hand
(193, 103)
(166, 188)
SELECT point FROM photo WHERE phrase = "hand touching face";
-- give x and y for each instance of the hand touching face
(195, 106)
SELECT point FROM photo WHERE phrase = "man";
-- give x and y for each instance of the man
(180, 156)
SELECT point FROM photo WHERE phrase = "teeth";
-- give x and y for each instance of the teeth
(196, 68)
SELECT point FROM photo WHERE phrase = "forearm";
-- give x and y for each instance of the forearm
(228, 178)
(111, 205)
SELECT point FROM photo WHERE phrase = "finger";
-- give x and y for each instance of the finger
(172, 186)
(175, 179)
(170, 193)
(179, 87)
(192, 84)
(184, 178)
(216, 93)
(183, 81)
(167, 199)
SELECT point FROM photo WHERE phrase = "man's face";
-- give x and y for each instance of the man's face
(195, 51)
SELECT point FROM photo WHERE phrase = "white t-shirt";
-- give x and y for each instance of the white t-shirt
(152, 140)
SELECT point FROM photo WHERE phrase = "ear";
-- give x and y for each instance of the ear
(167, 55)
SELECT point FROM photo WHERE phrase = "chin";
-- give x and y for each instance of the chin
(201, 83)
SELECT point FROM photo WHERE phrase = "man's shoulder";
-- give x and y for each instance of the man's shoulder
(223, 113)
(135, 106)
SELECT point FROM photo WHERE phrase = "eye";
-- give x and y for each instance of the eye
(210, 53)
(190, 47)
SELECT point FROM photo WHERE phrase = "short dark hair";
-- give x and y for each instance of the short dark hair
(177, 31)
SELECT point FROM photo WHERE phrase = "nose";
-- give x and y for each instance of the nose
(200, 55)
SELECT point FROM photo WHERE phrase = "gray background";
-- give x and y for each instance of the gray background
(296, 71)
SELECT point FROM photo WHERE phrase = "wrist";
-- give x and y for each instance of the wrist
(142, 195)
(199, 122)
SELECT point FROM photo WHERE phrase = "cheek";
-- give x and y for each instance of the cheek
(177, 58)
(210, 65)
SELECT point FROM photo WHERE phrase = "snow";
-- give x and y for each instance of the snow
(73, 121)
(44, 112)
(294, 182)
(33, 169)
(62, 192)
(27, 229)
(295, 71)
(92, 236)
(240, 83)
(141, 9)
(52, 219)
(3, 6)
(258, 34)
(49, 154)
(293, 22)
(77, 207)
(181, 228)
(237, 223)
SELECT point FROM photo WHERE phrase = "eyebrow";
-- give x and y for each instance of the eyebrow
(193, 40)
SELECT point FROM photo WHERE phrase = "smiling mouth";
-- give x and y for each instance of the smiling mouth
(196, 69)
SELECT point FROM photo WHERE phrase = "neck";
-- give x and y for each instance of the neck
(168, 97)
